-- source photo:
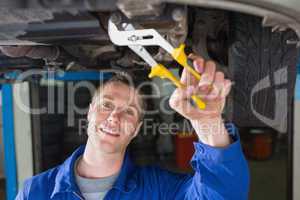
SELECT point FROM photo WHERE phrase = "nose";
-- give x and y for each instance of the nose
(114, 116)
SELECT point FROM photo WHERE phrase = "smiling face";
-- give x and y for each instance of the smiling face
(114, 117)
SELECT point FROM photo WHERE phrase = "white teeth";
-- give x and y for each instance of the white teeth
(108, 131)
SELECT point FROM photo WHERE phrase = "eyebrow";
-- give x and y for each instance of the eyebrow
(108, 97)
(112, 98)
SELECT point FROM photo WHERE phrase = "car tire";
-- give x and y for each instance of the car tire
(263, 67)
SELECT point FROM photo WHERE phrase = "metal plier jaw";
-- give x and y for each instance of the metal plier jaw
(137, 39)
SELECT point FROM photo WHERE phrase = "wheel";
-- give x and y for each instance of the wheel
(263, 67)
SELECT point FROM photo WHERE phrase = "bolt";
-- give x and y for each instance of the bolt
(116, 18)
(133, 38)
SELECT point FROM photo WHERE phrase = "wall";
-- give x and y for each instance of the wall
(1, 142)
(23, 139)
(296, 146)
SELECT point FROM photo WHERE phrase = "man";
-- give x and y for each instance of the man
(102, 169)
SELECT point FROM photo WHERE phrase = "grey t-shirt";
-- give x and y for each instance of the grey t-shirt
(94, 189)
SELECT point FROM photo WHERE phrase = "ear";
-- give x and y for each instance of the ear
(137, 129)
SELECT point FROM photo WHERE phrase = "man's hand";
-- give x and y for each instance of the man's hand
(213, 89)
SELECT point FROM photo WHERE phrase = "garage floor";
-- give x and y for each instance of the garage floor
(268, 178)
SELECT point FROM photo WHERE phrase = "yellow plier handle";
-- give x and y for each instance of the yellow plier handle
(179, 55)
(162, 72)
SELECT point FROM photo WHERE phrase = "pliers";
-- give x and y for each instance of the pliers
(136, 39)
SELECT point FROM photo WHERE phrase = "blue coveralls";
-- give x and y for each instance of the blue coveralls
(219, 174)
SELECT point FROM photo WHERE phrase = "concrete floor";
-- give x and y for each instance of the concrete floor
(268, 178)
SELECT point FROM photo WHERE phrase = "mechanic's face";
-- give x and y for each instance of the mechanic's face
(114, 118)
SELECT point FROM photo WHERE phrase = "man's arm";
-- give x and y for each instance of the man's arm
(221, 171)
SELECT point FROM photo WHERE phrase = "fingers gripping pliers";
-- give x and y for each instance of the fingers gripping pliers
(137, 39)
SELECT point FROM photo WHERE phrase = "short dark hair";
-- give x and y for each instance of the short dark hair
(126, 79)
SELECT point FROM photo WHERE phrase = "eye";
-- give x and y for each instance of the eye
(129, 111)
(106, 105)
